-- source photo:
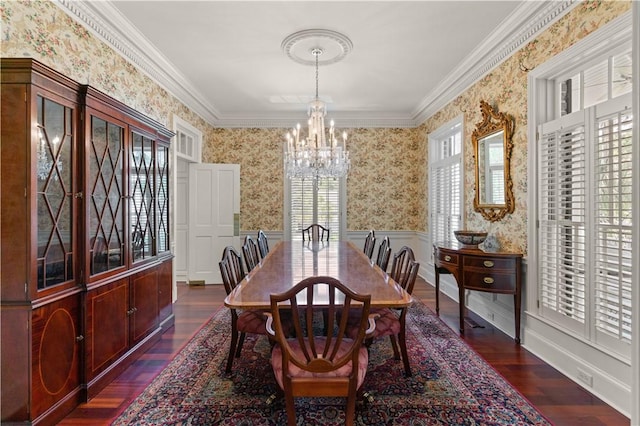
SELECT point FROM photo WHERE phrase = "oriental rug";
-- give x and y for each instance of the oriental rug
(451, 385)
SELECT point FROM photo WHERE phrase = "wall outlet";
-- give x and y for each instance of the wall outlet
(585, 377)
(491, 316)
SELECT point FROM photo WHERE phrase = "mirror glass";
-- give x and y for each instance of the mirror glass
(492, 149)
(491, 168)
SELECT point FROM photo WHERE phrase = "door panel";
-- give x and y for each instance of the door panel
(214, 208)
(182, 221)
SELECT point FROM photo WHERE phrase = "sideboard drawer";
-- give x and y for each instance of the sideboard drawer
(448, 258)
(484, 281)
(489, 262)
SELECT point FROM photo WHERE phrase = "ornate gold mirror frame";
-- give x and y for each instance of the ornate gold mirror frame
(492, 145)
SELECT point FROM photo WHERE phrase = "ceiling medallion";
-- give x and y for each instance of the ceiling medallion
(335, 46)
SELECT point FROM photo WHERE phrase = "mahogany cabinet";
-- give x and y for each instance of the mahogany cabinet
(41, 285)
(479, 270)
(86, 267)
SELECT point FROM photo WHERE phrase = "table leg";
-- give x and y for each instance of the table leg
(437, 290)
(516, 303)
(461, 305)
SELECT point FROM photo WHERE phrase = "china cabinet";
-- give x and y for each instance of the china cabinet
(86, 267)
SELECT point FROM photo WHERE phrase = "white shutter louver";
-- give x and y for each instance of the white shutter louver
(315, 205)
(613, 225)
(445, 196)
(562, 219)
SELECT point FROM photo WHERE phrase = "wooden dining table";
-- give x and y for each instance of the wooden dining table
(288, 262)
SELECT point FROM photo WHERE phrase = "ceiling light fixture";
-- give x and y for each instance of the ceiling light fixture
(320, 153)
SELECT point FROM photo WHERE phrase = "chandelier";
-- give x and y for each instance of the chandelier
(319, 153)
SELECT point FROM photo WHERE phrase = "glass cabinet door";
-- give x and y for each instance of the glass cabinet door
(162, 167)
(54, 205)
(106, 212)
(142, 199)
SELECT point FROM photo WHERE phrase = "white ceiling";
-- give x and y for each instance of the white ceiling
(227, 55)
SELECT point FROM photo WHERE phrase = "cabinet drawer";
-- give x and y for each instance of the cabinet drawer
(479, 280)
(448, 258)
(489, 263)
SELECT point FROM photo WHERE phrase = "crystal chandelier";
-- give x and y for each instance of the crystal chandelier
(319, 154)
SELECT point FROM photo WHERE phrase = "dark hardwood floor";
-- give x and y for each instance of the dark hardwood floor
(558, 398)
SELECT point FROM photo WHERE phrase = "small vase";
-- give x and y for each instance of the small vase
(491, 243)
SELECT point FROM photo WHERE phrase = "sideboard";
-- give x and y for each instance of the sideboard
(476, 269)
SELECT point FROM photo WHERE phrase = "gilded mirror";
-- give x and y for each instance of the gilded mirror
(492, 146)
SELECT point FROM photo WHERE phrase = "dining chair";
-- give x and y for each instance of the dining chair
(263, 244)
(369, 243)
(401, 260)
(384, 253)
(245, 321)
(314, 362)
(250, 252)
(315, 232)
(391, 321)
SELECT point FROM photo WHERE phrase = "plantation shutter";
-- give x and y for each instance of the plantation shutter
(613, 226)
(328, 202)
(562, 227)
(446, 205)
(585, 222)
(445, 192)
(301, 206)
(311, 204)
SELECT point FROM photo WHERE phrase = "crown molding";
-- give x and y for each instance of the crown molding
(107, 23)
(342, 121)
(527, 21)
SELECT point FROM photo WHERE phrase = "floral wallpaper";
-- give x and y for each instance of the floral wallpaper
(506, 88)
(387, 185)
(385, 188)
(41, 30)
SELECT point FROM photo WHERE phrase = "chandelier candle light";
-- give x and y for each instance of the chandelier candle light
(318, 155)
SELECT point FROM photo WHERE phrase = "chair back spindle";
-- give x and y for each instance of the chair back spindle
(315, 232)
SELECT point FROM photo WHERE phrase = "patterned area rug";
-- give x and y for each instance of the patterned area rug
(451, 385)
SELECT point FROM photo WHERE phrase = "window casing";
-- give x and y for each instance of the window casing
(445, 177)
(584, 213)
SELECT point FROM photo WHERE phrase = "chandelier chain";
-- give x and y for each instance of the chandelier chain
(317, 53)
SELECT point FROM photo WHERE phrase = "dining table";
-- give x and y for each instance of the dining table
(289, 262)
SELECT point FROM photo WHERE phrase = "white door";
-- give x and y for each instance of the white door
(181, 209)
(214, 216)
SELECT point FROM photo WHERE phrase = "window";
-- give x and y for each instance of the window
(584, 211)
(310, 203)
(187, 141)
(605, 79)
(445, 177)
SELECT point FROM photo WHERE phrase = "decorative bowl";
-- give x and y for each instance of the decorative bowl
(470, 238)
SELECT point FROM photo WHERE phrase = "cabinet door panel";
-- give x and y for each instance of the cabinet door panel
(105, 170)
(107, 325)
(162, 173)
(55, 363)
(144, 303)
(55, 203)
(165, 288)
(142, 197)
